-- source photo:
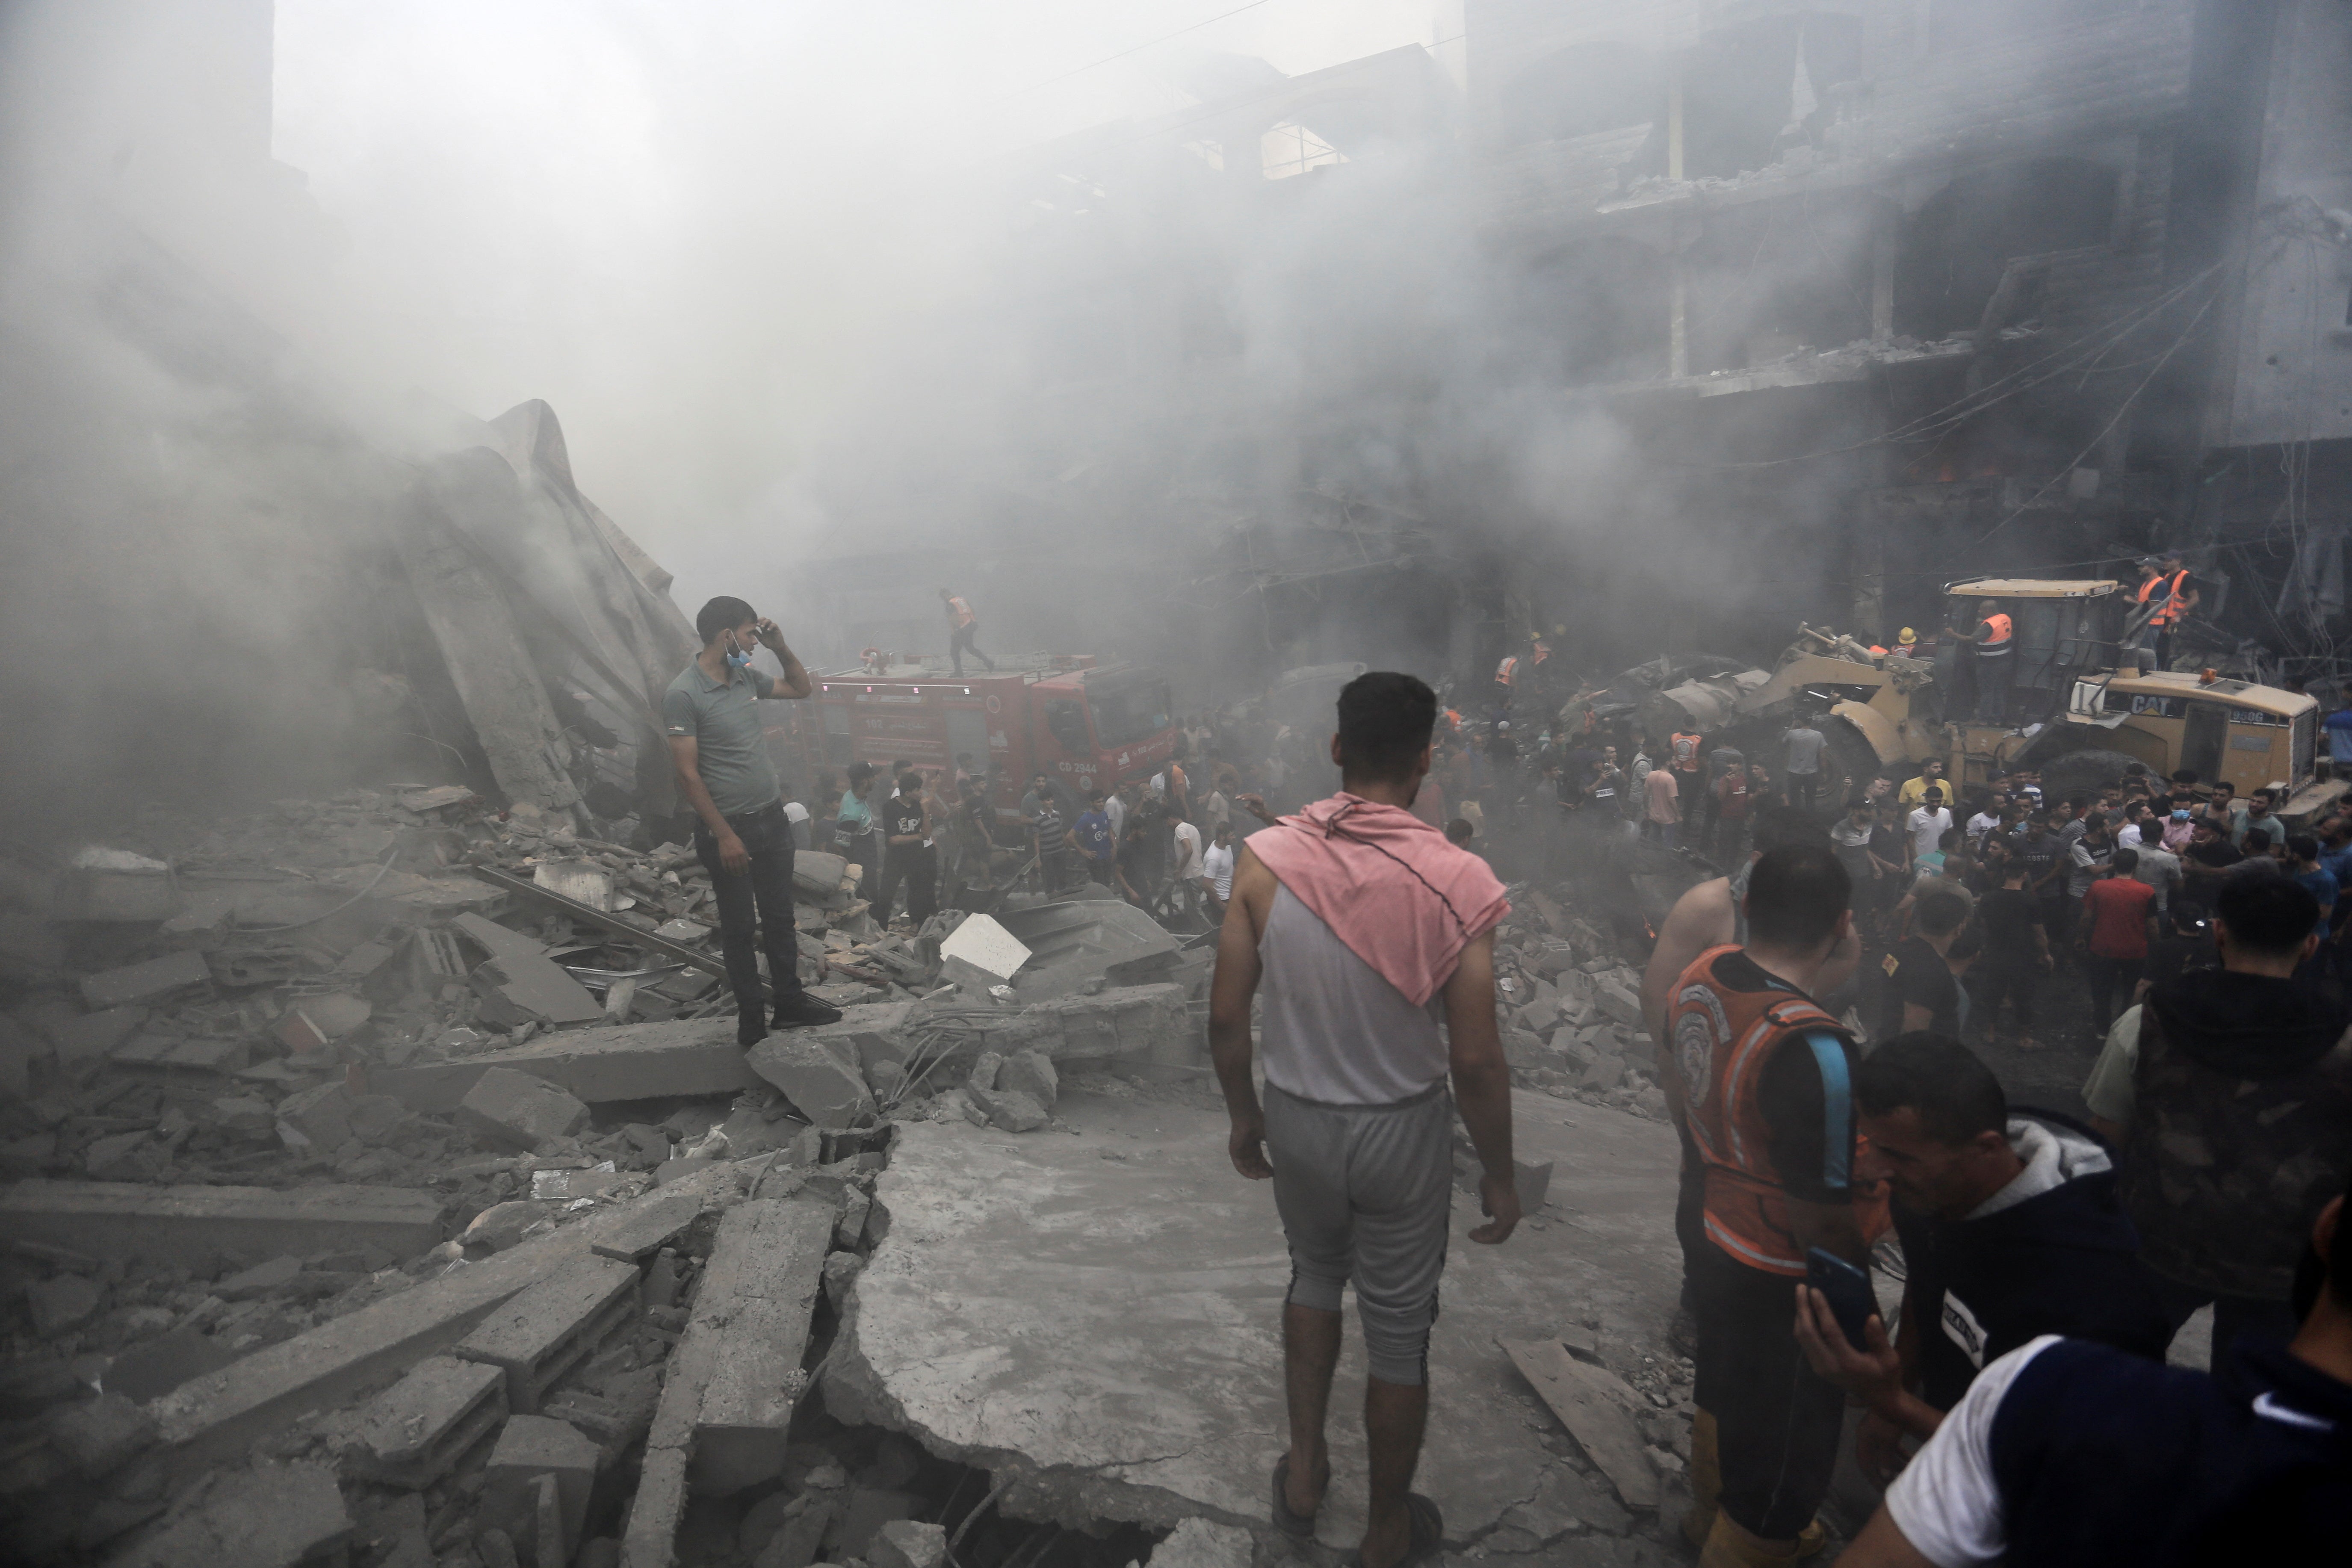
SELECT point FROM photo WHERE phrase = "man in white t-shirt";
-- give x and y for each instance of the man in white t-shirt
(1928, 823)
(1217, 871)
(1986, 820)
(1185, 871)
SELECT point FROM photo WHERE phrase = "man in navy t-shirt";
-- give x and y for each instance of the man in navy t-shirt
(2066, 1453)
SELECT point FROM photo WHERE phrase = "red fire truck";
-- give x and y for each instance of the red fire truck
(1089, 726)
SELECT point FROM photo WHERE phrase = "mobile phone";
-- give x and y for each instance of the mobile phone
(1852, 1301)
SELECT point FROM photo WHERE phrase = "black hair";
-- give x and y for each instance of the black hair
(1795, 894)
(722, 613)
(1779, 825)
(2302, 846)
(1460, 831)
(860, 775)
(1385, 720)
(2267, 915)
(2188, 915)
(910, 783)
(1954, 1095)
(2127, 858)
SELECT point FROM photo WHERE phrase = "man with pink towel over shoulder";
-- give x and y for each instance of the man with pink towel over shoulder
(1368, 940)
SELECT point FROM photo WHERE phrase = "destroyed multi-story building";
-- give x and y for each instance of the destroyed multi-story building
(1689, 320)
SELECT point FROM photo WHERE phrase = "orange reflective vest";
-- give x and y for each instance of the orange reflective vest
(1684, 745)
(2001, 627)
(1506, 670)
(2169, 610)
(1722, 1038)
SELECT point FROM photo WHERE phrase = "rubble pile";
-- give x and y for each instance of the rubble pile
(386, 1179)
(1570, 1013)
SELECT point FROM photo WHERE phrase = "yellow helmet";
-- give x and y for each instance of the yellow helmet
(1907, 635)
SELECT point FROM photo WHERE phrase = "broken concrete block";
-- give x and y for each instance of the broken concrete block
(61, 1305)
(1198, 1543)
(140, 984)
(273, 1516)
(1523, 1051)
(849, 1229)
(1597, 1407)
(984, 1071)
(530, 1447)
(1031, 1073)
(794, 1541)
(322, 1114)
(818, 1083)
(635, 1062)
(414, 1433)
(1534, 1184)
(868, 1033)
(540, 1334)
(817, 874)
(81, 1042)
(99, 1436)
(751, 1328)
(841, 1271)
(190, 1225)
(516, 1110)
(516, 989)
(647, 1229)
(503, 1225)
(1619, 1003)
(862, 1514)
(1009, 1109)
(259, 1280)
(910, 1543)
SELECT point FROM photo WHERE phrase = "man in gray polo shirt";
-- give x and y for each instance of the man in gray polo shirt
(711, 713)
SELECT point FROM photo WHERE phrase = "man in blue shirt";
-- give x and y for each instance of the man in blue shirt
(2339, 734)
(1097, 841)
(2064, 1452)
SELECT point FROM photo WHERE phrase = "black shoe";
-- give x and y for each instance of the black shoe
(798, 1008)
(749, 1030)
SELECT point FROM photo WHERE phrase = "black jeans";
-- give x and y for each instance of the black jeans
(2106, 976)
(2011, 977)
(1777, 1422)
(960, 642)
(755, 905)
(1804, 790)
(919, 869)
(1993, 688)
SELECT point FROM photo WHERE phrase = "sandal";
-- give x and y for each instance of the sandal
(1428, 1539)
(1297, 1526)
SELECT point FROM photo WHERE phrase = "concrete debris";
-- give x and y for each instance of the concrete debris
(191, 1226)
(1200, 1543)
(535, 1455)
(821, 1087)
(142, 984)
(414, 1433)
(981, 944)
(271, 1517)
(515, 1111)
(1598, 1409)
(538, 1335)
(1072, 946)
(910, 1544)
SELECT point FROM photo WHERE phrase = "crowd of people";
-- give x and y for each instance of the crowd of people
(1808, 1008)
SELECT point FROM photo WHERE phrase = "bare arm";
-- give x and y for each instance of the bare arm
(795, 682)
(1882, 1545)
(1916, 1017)
(1230, 995)
(684, 754)
(1482, 1085)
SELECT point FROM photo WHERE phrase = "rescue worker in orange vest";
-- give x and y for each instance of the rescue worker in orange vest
(1761, 1077)
(2176, 593)
(1683, 756)
(1995, 641)
(1507, 671)
(963, 626)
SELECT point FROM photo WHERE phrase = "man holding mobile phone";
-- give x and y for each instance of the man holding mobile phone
(1766, 1076)
(2012, 1229)
(741, 836)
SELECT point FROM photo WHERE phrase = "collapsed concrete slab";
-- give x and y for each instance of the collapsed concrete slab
(635, 1061)
(276, 1516)
(223, 1412)
(823, 1087)
(1108, 1327)
(732, 1385)
(1152, 1022)
(191, 1226)
(1073, 943)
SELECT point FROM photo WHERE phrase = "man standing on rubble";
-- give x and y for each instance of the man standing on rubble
(710, 716)
(1367, 929)
(964, 628)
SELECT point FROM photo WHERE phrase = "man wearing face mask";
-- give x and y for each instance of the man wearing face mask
(710, 714)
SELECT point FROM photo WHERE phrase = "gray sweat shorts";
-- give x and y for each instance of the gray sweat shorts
(1366, 1193)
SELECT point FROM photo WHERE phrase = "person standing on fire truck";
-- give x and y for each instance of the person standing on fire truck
(710, 715)
(964, 628)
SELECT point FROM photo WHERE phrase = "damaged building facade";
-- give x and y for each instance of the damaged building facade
(1708, 316)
